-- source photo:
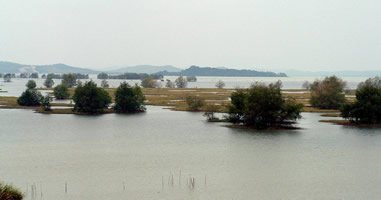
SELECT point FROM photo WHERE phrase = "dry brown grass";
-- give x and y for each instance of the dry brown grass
(175, 98)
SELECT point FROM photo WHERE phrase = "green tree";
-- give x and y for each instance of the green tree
(45, 103)
(367, 107)
(181, 82)
(328, 93)
(49, 82)
(61, 91)
(263, 106)
(91, 99)
(104, 84)
(129, 99)
(69, 79)
(34, 75)
(149, 82)
(30, 98)
(31, 84)
(7, 77)
(194, 103)
(102, 76)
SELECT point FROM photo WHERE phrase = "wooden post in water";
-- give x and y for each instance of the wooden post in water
(65, 187)
(180, 179)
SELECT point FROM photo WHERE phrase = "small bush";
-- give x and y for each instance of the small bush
(31, 84)
(194, 103)
(328, 93)
(8, 192)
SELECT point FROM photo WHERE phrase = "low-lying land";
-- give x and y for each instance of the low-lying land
(175, 98)
(349, 123)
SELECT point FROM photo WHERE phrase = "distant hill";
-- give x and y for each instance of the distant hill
(297, 73)
(148, 69)
(9, 67)
(208, 71)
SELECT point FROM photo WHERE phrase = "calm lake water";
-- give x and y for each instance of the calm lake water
(116, 156)
(141, 156)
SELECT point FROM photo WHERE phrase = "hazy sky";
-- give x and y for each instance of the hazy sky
(252, 34)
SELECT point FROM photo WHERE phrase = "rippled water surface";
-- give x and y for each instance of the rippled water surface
(135, 157)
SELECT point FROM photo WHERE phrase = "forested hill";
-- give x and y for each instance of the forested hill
(209, 71)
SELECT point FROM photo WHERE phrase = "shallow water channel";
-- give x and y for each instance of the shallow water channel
(141, 156)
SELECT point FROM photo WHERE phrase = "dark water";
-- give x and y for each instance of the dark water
(135, 156)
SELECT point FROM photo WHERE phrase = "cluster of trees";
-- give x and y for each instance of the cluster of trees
(367, 106)
(151, 82)
(263, 106)
(62, 76)
(129, 76)
(32, 97)
(89, 98)
(329, 93)
(7, 77)
(28, 75)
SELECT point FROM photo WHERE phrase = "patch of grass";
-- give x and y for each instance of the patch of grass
(318, 110)
(268, 128)
(331, 115)
(175, 98)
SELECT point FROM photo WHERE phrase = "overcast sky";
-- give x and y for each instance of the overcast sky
(252, 34)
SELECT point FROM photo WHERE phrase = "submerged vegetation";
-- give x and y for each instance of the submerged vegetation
(9, 192)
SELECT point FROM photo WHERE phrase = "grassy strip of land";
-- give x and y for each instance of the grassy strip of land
(349, 123)
(175, 98)
(331, 115)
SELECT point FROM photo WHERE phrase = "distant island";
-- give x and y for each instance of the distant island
(9, 67)
(209, 71)
(166, 70)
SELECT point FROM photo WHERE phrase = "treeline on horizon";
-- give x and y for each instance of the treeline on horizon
(130, 76)
(44, 76)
